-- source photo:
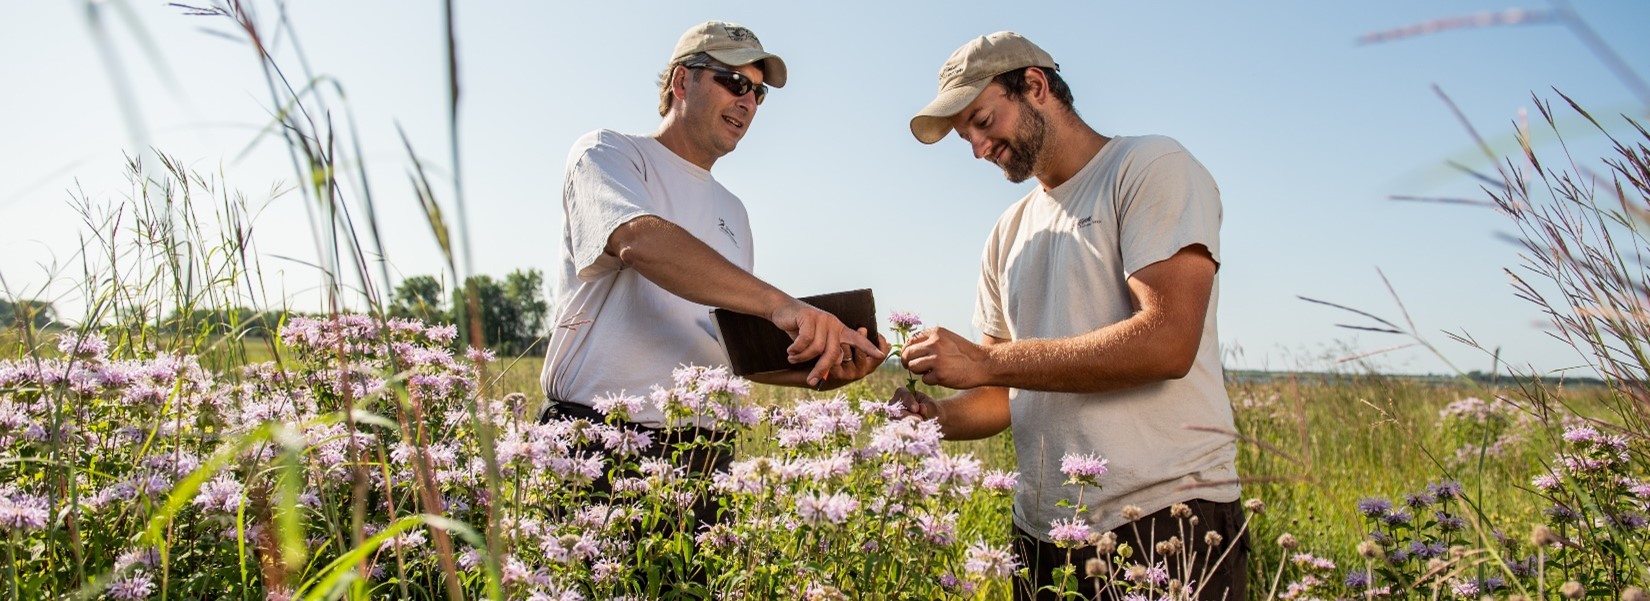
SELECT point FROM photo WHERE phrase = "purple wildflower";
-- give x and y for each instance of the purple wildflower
(132, 587)
(835, 509)
(223, 494)
(1084, 469)
(1357, 579)
(1000, 481)
(90, 346)
(1560, 514)
(1070, 533)
(1449, 523)
(20, 511)
(1547, 482)
(904, 322)
(1374, 507)
(984, 561)
(1446, 490)
(1398, 517)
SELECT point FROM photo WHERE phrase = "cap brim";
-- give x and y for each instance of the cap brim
(933, 122)
(773, 67)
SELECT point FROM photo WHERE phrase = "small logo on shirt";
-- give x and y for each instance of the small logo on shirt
(1085, 222)
(722, 224)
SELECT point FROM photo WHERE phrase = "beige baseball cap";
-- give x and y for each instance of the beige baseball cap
(968, 72)
(732, 44)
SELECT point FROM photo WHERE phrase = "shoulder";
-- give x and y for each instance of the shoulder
(1148, 148)
(603, 144)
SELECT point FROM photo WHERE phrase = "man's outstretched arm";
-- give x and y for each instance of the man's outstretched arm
(675, 260)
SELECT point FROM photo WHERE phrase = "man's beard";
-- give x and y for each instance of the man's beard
(1027, 145)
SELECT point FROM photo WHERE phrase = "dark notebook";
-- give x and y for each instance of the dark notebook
(755, 345)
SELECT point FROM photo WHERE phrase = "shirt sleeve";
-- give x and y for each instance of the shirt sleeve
(1169, 203)
(605, 188)
(988, 302)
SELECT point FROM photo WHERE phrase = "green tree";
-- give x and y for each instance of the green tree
(524, 290)
(511, 312)
(35, 313)
(421, 297)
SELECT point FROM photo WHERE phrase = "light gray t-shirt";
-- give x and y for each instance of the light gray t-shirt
(1057, 265)
(615, 331)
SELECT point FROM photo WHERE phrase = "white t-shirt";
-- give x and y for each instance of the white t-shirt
(615, 331)
(1056, 266)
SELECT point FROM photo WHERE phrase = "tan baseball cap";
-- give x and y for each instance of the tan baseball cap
(968, 72)
(732, 44)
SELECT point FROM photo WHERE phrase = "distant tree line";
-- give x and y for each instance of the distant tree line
(35, 313)
(512, 312)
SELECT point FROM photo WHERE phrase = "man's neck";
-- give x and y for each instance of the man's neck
(1075, 146)
(675, 137)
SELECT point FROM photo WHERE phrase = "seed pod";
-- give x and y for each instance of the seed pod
(1255, 506)
(1572, 590)
(1180, 511)
(1212, 538)
(1288, 542)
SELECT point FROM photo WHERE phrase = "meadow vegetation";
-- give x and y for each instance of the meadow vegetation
(365, 454)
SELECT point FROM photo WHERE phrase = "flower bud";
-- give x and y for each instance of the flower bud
(1288, 542)
(1572, 590)
(1133, 512)
(1212, 538)
(1255, 506)
(1125, 551)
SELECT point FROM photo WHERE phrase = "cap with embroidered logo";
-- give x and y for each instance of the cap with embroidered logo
(968, 72)
(733, 45)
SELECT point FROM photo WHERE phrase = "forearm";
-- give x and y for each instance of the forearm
(673, 259)
(974, 414)
(1122, 355)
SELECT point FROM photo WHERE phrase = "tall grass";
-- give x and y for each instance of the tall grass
(325, 467)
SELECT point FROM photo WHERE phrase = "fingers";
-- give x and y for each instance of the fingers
(859, 340)
(914, 404)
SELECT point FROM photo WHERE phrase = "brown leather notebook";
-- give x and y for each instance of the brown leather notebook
(755, 345)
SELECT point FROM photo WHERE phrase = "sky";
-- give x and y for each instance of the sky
(1308, 133)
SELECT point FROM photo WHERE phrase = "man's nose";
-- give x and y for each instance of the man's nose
(980, 145)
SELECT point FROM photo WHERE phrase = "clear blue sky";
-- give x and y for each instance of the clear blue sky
(1306, 131)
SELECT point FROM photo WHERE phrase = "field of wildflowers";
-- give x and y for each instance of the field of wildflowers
(362, 457)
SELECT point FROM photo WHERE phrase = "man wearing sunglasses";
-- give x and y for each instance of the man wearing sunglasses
(651, 242)
(1096, 303)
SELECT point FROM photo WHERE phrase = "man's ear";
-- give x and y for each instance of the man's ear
(1037, 84)
(678, 80)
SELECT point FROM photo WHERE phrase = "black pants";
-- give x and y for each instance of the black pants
(1227, 581)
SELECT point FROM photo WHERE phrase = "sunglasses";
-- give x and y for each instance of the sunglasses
(735, 82)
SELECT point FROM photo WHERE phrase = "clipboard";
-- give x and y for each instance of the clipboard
(754, 345)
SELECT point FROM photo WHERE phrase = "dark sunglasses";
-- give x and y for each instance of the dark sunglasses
(736, 82)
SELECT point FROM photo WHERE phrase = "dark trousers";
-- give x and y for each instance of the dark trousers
(1227, 580)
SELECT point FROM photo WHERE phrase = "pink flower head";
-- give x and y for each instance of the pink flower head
(904, 322)
(815, 508)
(999, 481)
(1069, 534)
(985, 561)
(1084, 469)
